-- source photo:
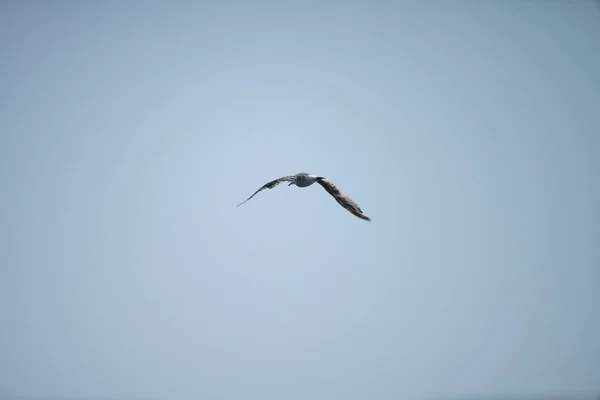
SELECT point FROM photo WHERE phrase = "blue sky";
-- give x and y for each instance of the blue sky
(467, 131)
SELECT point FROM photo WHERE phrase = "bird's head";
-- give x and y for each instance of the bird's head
(298, 178)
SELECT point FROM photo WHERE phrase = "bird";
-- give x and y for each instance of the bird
(303, 179)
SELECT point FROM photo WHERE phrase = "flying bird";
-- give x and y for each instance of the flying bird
(303, 179)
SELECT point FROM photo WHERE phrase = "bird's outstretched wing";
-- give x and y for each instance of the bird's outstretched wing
(271, 185)
(342, 199)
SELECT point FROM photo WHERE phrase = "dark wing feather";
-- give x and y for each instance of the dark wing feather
(342, 199)
(271, 185)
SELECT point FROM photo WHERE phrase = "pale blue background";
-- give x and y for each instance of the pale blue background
(468, 131)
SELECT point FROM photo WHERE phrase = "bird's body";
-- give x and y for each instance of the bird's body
(303, 179)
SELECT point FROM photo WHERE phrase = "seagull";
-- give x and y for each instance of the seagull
(303, 179)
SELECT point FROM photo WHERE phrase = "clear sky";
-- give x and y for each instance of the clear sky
(468, 131)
